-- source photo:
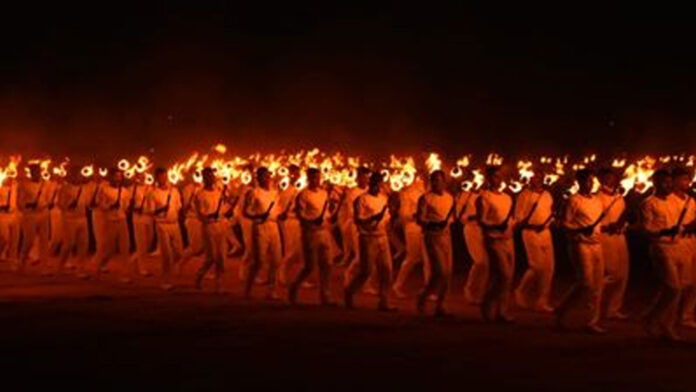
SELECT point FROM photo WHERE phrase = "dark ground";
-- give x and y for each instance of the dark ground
(61, 332)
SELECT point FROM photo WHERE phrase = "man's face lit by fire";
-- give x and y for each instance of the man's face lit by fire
(116, 178)
(437, 182)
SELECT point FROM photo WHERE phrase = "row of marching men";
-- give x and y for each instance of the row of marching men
(282, 228)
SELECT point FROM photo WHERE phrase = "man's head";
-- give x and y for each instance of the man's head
(363, 176)
(313, 177)
(681, 179)
(609, 179)
(161, 176)
(115, 176)
(375, 182)
(536, 182)
(34, 172)
(662, 181)
(263, 177)
(437, 181)
(294, 173)
(208, 177)
(494, 177)
(585, 179)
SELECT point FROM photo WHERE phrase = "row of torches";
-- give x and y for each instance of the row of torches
(340, 170)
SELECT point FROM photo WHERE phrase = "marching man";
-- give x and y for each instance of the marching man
(413, 236)
(209, 204)
(435, 210)
(33, 203)
(290, 228)
(261, 207)
(494, 211)
(346, 223)
(193, 225)
(614, 246)
(687, 221)
(163, 203)
(371, 218)
(583, 214)
(9, 221)
(112, 200)
(477, 280)
(143, 224)
(72, 201)
(312, 209)
(534, 213)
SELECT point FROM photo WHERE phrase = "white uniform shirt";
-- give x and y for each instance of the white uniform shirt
(287, 201)
(8, 196)
(138, 199)
(33, 192)
(207, 202)
(526, 201)
(310, 204)
(73, 200)
(408, 203)
(614, 213)
(188, 197)
(258, 201)
(368, 205)
(345, 214)
(158, 198)
(583, 211)
(107, 198)
(436, 207)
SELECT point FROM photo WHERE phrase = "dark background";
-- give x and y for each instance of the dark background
(99, 79)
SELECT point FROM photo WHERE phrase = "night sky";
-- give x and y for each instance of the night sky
(394, 78)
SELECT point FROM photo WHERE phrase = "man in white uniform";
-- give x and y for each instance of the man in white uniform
(413, 236)
(661, 218)
(435, 211)
(494, 211)
(312, 209)
(194, 226)
(143, 225)
(33, 203)
(261, 206)
(289, 227)
(371, 218)
(614, 246)
(680, 197)
(581, 220)
(9, 221)
(72, 201)
(112, 200)
(533, 214)
(55, 215)
(163, 203)
(209, 205)
(346, 222)
(477, 280)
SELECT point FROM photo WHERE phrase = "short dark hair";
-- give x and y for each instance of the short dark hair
(435, 174)
(362, 170)
(661, 174)
(312, 171)
(261, 170)
(605, 171)
(680, 171)
(491, 170)
(160, 170)
(376, 178)
(583, 174)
